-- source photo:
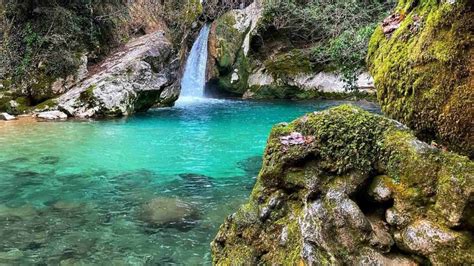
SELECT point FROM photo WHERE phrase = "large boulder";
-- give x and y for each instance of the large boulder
(422, 61)
(344, 186)
(134, 79)
(160, 212)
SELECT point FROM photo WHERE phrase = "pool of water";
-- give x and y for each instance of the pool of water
(81, 191)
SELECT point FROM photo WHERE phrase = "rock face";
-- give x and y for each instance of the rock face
(346, 186)
(302, 85)
(229, 44)
(421, 60)
(139, 76)
(238, 68)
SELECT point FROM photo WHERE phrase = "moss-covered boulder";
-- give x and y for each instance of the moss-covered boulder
(421, 60)
(347, 186)
(228, 64)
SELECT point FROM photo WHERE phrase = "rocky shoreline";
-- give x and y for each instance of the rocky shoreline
(344, 185)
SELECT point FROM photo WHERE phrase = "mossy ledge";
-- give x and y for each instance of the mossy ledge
(347, 186)
(423, 70)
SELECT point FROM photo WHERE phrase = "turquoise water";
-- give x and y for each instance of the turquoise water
(75, 192)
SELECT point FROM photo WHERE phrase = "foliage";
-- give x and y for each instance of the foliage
(346, 52)
(337, 30)
(44, 40)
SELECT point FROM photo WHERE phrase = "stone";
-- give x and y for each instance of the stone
(424, 237)
(7, 117)
(12, 255)
(22, 212)
(379, 189)
(167, 212)
(142, 74)
(51, 115)
(364, 191)
(424, 78)
(251, 165)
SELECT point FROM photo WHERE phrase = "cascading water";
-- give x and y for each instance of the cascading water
(194, 78)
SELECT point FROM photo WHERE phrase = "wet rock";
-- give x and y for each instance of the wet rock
(251, 165)
(425, 238)
(371, 257)
(196, 181)
(12, 255)
(381, 237)
(34, 246)
(394, 217)
(7, 117)
(49, 160)
(51, 115)
(67, 206)
(22, 212)
(161, 212)
(379, 190)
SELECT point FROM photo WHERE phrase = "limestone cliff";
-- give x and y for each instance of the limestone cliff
(422, 61)
(346, 186)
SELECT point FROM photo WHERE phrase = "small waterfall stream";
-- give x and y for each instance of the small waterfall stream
(194, 78)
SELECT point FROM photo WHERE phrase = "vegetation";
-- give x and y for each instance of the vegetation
(422, 71)
(45, 40)
(336, 33)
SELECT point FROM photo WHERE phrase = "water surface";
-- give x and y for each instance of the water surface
(72, 192)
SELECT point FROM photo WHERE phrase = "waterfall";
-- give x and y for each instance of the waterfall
(194, 78)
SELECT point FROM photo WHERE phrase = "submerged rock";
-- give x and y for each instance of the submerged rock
(49, 160)
(132, 80)
(365, 190)
(196, 181)
(162, 212)
(22, 212)
(251, 165)
(12, 255)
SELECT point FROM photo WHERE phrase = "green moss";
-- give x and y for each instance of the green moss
(40, 89)
(7, 83)
(87, 96)
(289, 64)
(344, 147)
(291, 252)
(422, 71)
(229, 41)
(5, 104)
(191, 11)
(243, 70)
(46, 104)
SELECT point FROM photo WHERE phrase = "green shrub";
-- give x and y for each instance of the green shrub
(337, 31)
